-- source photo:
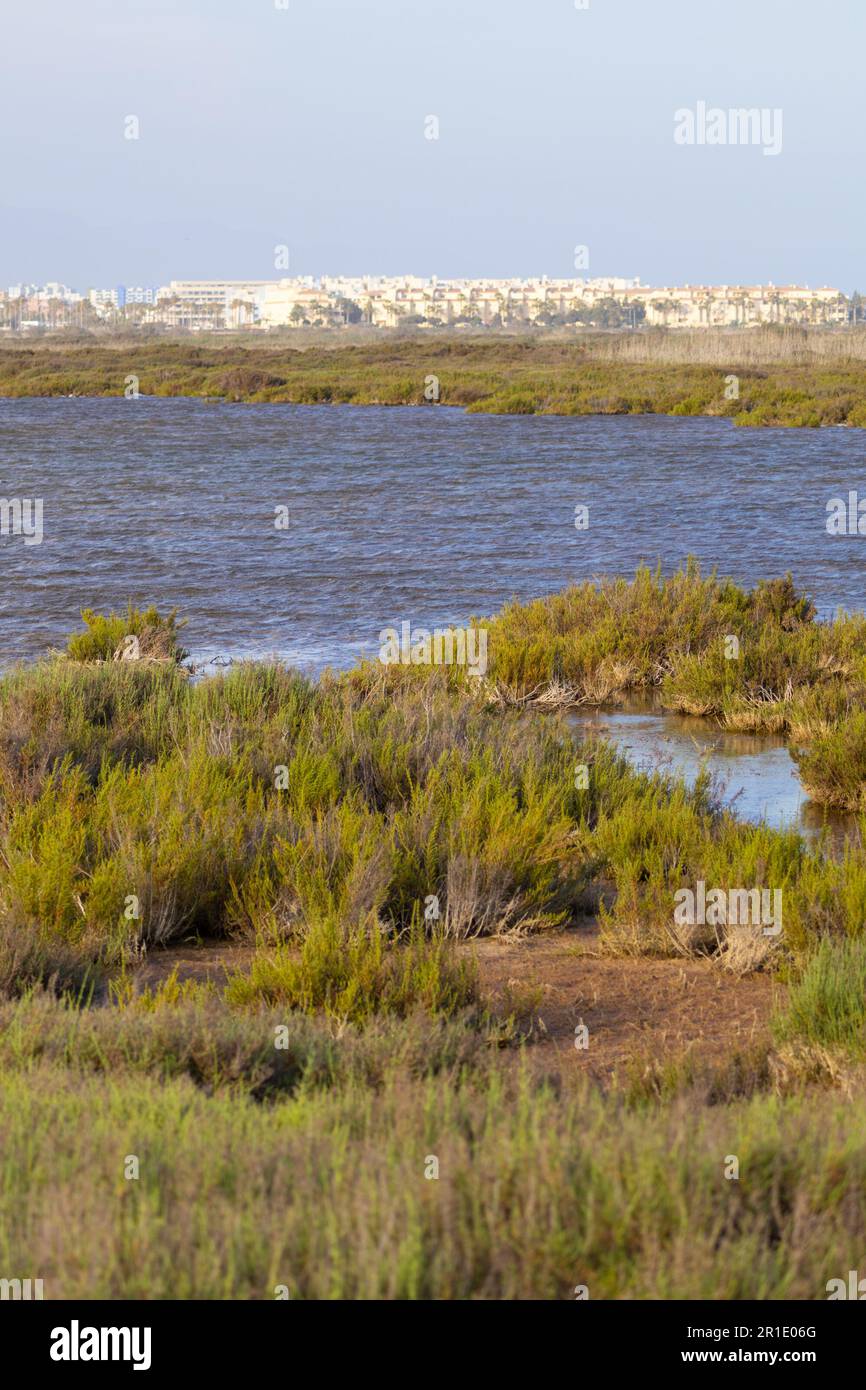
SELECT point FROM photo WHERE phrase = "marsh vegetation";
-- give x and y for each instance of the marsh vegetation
(285, 1115)
(782, 376)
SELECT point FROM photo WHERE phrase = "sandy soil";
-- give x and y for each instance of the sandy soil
(634, 1009)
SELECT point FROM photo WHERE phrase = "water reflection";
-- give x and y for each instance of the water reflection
(754, 773)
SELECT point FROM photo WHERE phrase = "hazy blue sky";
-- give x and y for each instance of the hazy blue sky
(261, 126)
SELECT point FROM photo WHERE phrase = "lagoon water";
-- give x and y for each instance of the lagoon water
(428, 515)
(425, 514)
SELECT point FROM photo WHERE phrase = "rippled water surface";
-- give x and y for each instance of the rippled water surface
(427, 515)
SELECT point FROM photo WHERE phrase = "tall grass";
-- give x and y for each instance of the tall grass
(827, 1004)
(717, 347)
(466, 1184)
(262, 1053)
(786, 377)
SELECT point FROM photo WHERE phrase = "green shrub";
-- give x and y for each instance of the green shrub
(105, 636)
(826, 1005)
(356, 972)
(833, 767)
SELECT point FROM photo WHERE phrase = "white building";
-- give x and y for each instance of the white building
(103, 300)
(137, 294)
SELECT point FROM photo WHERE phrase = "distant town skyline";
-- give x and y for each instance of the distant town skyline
(416, 301)
(136, 283)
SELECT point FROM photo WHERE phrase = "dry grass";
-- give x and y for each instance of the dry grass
(720, 347)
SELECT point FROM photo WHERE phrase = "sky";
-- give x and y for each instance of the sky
(306, 127)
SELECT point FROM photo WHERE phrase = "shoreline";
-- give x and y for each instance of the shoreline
(753, 385)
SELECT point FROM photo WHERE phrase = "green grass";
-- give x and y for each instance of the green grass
(789, 377)
(827, 1003)
(322, 1187)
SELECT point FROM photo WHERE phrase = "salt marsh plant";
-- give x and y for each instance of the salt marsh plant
(826, 1005)
(785, 376)
(142, 808)
(306, 1168)
(356, 973)
(132, 635)
(833, 766)
(754, 660)
(288, 1110)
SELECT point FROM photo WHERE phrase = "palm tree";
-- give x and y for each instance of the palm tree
(705, 305)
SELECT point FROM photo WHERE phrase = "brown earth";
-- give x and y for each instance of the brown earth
(200, 963)
(635, 1010)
